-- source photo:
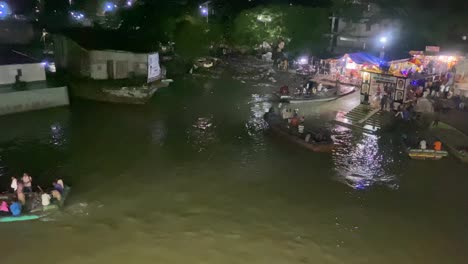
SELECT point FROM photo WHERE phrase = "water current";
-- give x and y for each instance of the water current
(150, 186)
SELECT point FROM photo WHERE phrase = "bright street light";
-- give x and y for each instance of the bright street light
(4, 10)
(109, 7)
(303, 60)
(383, 41)
(205, 10)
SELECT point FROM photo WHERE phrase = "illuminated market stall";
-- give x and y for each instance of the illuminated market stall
(347, 68)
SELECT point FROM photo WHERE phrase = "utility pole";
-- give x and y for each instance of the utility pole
(332, 31)
(205, 10)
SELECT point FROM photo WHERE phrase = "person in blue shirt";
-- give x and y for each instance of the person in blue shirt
(15, 208)
(58, 187)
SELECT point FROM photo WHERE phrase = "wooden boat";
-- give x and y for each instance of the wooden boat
(426, 154)
(35, 210)
(331, 94)
(278, 127)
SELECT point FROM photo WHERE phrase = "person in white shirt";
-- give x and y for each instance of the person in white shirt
(319, 87)
(423, 144)
(14, 184)
(45, 198)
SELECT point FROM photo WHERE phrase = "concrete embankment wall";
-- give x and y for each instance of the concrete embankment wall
(22, 101)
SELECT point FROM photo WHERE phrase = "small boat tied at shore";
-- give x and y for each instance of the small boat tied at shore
(317, 141)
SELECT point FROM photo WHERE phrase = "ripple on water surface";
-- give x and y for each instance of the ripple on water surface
(364, 160)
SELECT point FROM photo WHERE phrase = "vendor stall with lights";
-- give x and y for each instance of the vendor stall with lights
(347, 68)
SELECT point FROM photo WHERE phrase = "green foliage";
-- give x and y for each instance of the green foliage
(304, 27)
(259, 24)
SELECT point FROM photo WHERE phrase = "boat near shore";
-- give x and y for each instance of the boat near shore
(332, 93)
(33, 209)
(426, 154)
(279, 127)
(422, 154)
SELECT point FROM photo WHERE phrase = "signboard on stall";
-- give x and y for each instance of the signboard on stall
(375, 85)
(434, 49)
(380, 83)
(154, 70)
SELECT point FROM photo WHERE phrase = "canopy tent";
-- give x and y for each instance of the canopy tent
(364, 58)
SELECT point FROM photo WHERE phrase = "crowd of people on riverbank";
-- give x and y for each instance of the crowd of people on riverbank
(22, 188)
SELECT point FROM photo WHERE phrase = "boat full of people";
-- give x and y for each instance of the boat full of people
(291, 127)
(313, 92)
(23, 203)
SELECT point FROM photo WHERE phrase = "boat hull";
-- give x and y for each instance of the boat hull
(419, 154)
(299, 100)
(276, 128)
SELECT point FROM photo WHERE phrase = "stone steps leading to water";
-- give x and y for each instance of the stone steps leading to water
(363, 117)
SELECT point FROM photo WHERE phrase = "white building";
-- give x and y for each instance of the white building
(15, 67)
(363, 33)
(23, 85)
(104, 56)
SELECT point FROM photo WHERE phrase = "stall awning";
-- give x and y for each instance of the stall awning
(364, 58)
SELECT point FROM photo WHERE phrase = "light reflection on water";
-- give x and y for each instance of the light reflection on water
(364, 160)
(57, 135)
(259, 105)
(202, 134)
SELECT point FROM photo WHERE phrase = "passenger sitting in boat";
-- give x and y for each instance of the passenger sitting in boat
(300, 129)
(284, 90)
(437, 145)
(319, 87)
(319, 137)
(286, 113)
(298, 92)
(295, 121)
(15, 208)
(56, 194)
(20, 193)
(58, 187)
(310, 84)
(14, 184)
(4, 211)
(60, 181)
(423, 144)
(27, 181)
(45, 199)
